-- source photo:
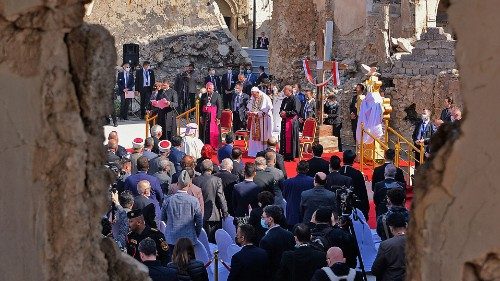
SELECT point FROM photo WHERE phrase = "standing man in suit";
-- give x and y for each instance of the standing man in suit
(333, 115)
(335, 180)
(228, 182)
(292, 190)
(358, 182)
(245, 193)
(249, 76)
(176, 153)
(309, 108)
(262, 76)
(211, 111)
(226, 150)
(145, 79)
(238, 105)
(280, 160)
(446, 112)
(238, 165)
(125, 82)
(166, 116)
(381, 188)
(262, 41)
(262, 178)
(228, 81)
(214, 199)
(212, 77)
(251, 262)
(317, 164)
(313, 199)
(422, 135)
(277, 239)
(378, 172)
(353, 108)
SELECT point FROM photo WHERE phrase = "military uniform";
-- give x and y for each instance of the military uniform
(133, 240)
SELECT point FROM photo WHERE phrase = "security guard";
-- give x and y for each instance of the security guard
(139, 231)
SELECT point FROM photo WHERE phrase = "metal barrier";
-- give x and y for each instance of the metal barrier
(216, 260)
(148, 119)
(186, 115)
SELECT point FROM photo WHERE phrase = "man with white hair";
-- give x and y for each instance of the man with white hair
(260, 109)
(229, 180)
(337, 269)
(156, 133)
(163, 174)
(381, 188)
(143, 202)
(191, 144)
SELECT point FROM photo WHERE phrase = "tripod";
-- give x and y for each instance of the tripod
(347, 222)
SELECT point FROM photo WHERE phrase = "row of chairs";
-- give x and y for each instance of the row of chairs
(306, 140)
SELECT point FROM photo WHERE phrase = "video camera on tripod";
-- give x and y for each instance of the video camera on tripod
(347, 199)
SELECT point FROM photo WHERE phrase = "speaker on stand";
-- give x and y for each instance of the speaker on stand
(131, 54)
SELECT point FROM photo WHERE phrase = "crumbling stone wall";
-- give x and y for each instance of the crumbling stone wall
(56, 77)
(169, 33)
(454, 226)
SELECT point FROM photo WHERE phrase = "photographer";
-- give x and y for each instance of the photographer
(123, 204)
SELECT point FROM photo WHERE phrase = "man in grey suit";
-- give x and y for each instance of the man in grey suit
(215, 201)
(315, 198)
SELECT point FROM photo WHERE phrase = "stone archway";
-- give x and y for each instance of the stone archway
(229, 10)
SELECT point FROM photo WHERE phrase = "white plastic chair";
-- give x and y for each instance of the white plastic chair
(223, 241)
(231, 250)
(203, 238)
(228, 226)
(365, 240)
(200, 253)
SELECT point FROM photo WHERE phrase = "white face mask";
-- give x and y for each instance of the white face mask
(229, 71)
(426, 118)
(212, 73)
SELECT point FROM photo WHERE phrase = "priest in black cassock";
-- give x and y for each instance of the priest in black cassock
(289, 135)
(166, 116)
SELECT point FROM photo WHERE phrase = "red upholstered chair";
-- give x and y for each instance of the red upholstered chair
(245, 134)
(307, 138)
(226, 122)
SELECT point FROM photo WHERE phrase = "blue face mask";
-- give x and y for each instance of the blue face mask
(263, 223)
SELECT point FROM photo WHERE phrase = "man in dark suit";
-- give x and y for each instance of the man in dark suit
(245, 193)
(312, 199)
(212, 77)
(271, 147)
(422, 134)
(446, 113)
(251, 262)
(292, 190)
(277, 239)
(176, 153)
(263, 179)
(215, 201)
(378, 172)
(335, 180)
(262, 76)
(262, 41)
(337, 267)
(145, 79)
(390, 263)
(209, 99)
(358, 181)
(157, 272)
(304, 260)
(380, 189)
(317, 164)
(125, 82)
(238, 106)
(228, 182)
(236, 156)
(120, 151)
(226, 150)
(228, 81)
(360, 89)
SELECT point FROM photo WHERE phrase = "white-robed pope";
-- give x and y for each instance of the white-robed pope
(260, 109)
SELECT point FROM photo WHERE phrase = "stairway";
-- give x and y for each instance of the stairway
(259, 57)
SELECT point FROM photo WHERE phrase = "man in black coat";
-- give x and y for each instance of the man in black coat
(333, 113)
(236, 156)
(422, 134)
(303, 261)
(378, 172)
(277, 239)
(381, 188)
(238, 105)
(265, 180)
(227, 86)
(280, 160)
(166, 116)
(358, 182)
(214, 79)
(251, 262)
(245, 193)
(335, 180)
(317, 164)
(337, 268)
(228, 182)
(360, 88)
(145, 79)
(125, 82)
(157, 272)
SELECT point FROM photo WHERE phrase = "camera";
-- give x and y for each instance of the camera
(347, 199)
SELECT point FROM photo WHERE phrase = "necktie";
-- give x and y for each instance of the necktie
(125, 78)
(146, 83)
(229, 80)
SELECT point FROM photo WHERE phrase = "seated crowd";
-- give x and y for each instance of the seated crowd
(165, 198)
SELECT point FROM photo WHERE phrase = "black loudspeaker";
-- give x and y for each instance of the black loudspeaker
(131, 54)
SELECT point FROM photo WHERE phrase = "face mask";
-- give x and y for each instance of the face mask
(263, 223)
(229, 71)
(127, 68)
(249, 71)
(425, 117)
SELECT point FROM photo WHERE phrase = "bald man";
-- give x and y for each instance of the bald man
(315, 198)
(144, 203)
(337, 268)
(120, 151)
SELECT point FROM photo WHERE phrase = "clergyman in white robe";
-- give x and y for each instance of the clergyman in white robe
(261, 128)
(191, 144)
(371, 115)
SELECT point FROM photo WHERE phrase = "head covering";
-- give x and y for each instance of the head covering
(255, 89)
(137, 143)
(209, 84)
(184, 179)
(191, 129)
(164, 145)
(134, 213)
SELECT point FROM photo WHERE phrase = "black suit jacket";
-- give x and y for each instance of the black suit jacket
(216, 100)
(157, 272)
(318, 165)
(216, 81)
(335, 180)
(358, 182)
(238, 170)
(265, 181)
(380, 192)
(120, 81)
(378, 175)
(429, 131)
(300, 264)
(275, 243)
(228, 85)
(139, 79)
(242, 109)
(228, 182)
(280, 160)
(260, 79)
(249, 264)
(244, 194)
(390, 263)
(262, 43)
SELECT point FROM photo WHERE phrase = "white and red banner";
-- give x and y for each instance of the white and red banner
(319, 65)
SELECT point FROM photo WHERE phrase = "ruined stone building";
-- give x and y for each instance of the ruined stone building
(57, 73)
